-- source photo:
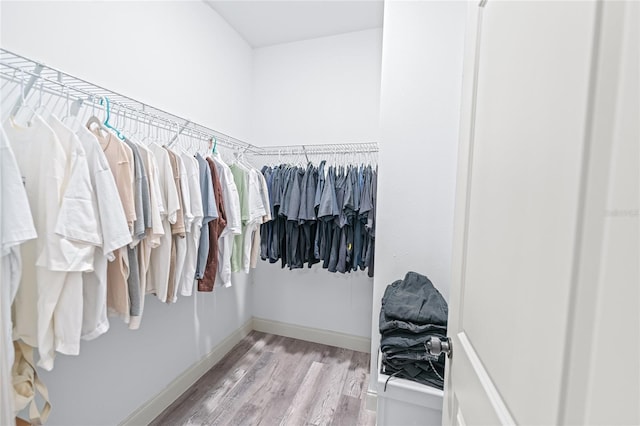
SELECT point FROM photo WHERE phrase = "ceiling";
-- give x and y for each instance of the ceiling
(265, 23)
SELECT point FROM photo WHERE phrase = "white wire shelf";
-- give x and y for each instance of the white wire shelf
(27, 75)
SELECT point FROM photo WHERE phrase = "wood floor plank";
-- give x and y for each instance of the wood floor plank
(217, 381)
(243, 391)
(302, 404)
(283, 395)
(290, 367)
(327, 395)
(355, 382)
(181, 407)
(336, 356)
(213, 397)
(270, 380)
(347, 412)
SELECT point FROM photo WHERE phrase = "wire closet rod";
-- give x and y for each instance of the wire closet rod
(129, 113)
(341, 148)
(14, 68)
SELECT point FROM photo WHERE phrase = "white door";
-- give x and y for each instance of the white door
(545, 307)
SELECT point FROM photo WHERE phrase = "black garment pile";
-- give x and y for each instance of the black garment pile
(321, 214)
(413, 311)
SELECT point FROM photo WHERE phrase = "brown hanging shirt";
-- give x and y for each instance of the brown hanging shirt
(216, 227)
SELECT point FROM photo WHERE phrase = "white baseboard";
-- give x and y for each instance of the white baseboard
(156, 405)
(316, 335)
(371, 402)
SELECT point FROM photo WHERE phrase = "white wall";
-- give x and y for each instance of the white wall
(422, 55)
(180, 56)
(324, 90)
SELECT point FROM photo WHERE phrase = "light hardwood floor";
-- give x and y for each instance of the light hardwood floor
(274, 380)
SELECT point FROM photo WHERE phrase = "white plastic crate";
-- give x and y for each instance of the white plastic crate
(407, 403)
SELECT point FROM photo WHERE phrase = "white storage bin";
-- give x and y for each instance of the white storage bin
(406, 403)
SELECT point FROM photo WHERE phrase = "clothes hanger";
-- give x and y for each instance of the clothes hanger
(152, 132)
(166, 136)
(243, 159)
(24, 105)
(142, 135)
(129, 121)
(214, 150)
(8, 81)
(196, 144)
(114, 119)
(41, 109)
(104, 100)
(46, 110)
(104, 126)
(67, 112)
(189, 142)
(135, 131)
(40, 103)
(72, 119)
(118, 123)
(176, 144)
(8, 95)
(89, 120)
(201, 145)
(157, 134)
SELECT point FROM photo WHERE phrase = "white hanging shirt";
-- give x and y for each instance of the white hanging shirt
(186, 191)
(256, 200)
(155, 233)
(187, 280)
(193, 176)
(181, 243)
(16, 227)
(65, 222)
(60, 310)
(256, 215)
(155, 196)
(80, 217)
(158, 277)
(231, 201)
(115, 233)
(255, 244)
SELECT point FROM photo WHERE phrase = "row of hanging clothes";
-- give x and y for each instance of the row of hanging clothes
(101, 208)
(96, 214)
(322, 214)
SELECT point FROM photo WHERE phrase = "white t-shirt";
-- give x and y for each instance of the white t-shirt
(154, 234)
(114, 230)
(256, 201)
(60, 311)
(231, 200)
(66, 224)
(158, 277)
(256, 215)
(264, 194)
(16, 227)
(186, 191)
(193, 233)
(255, 245)
(155, 196)
(181, 243)
(193, 175)
(230, 197)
